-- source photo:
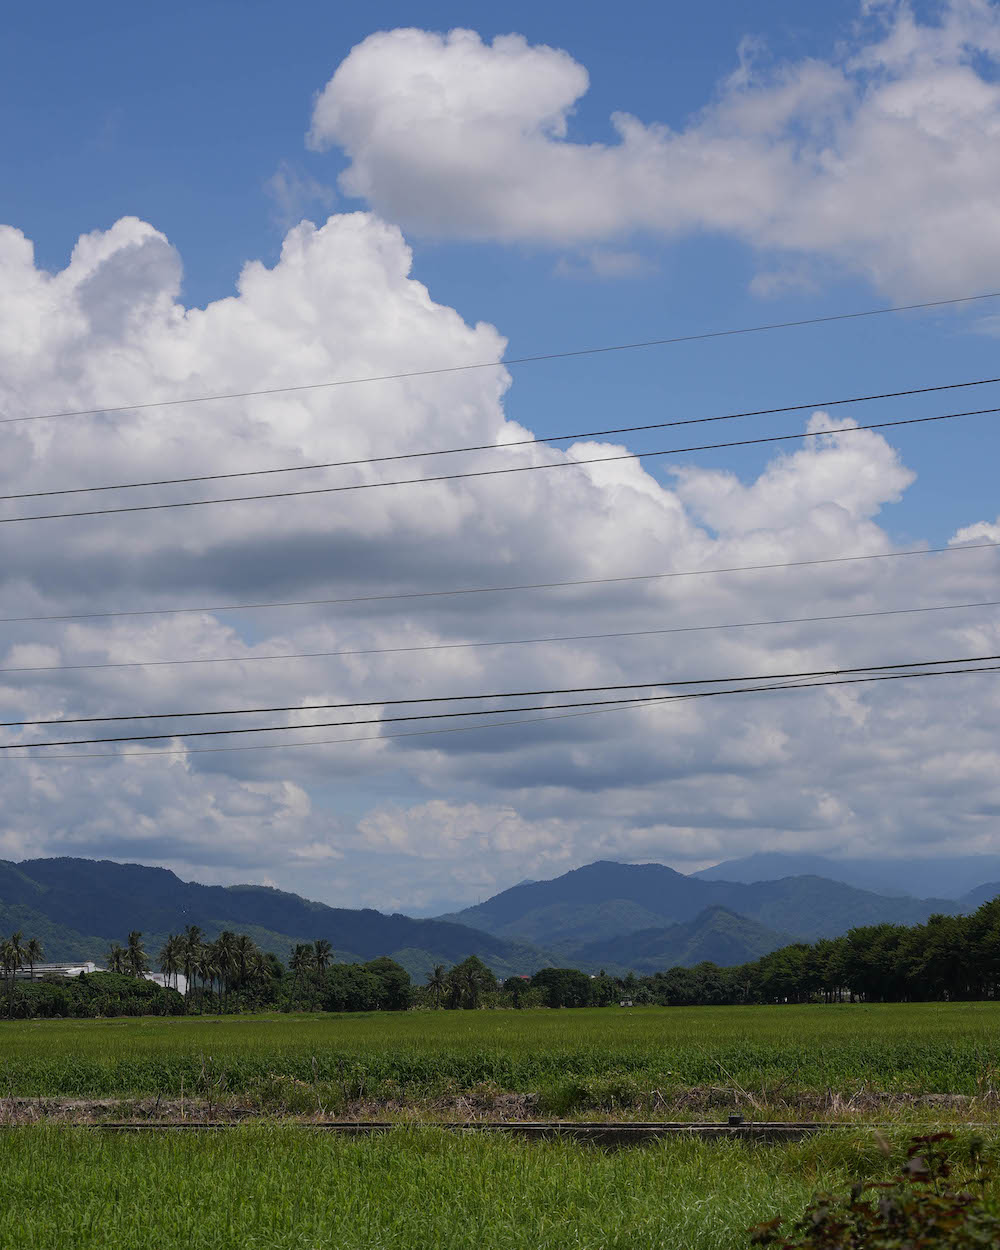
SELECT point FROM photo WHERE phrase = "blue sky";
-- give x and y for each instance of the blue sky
(183, 115)
(784, 161)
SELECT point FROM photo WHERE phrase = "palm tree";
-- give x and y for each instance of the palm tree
(322, 952)
(225, 959)
(436, 983)
(191, 951)
(303, 958)
(169, 958)
(7, 965)
(13, 959)
(116, 958)
(246, 958)
(135, 956)
(206, 967)
(34, 954)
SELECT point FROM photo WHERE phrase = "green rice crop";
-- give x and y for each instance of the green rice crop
(283, 1188)
(909, 1048)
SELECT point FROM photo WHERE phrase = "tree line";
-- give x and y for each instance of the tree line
(15, 954)
(949, 958)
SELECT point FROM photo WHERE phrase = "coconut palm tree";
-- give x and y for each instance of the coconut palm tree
(169, 958)
(225, 960)
(192, 950)
(437, 983)
(116, 958)
(322, 954)
(34, 953)
(136, 960)
(13, 960)
(7, 967)
(206, 967)
(246, 958)
(302, 960)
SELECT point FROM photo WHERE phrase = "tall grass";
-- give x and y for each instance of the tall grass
(920, 1048)
(287, 1189)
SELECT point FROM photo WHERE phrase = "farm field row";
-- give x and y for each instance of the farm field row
(291, 1189)
(657, 1063)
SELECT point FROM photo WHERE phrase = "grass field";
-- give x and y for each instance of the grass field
(293, 1189)
(281, 1185)
(574, 1061)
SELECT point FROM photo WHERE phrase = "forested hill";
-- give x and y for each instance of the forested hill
(78, 906)
(606, 900)
(717, 936)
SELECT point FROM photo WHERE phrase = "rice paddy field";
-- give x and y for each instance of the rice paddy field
(611, 1059)
(279, 1188)
(273, 1180)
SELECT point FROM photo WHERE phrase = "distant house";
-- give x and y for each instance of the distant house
(57, 970)
(626, 1002)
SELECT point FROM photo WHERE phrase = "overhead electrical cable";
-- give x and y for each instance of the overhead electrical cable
(481, 473)
(520, 442)
(505, 363)
(507, 642)
(798, 684)
(494, 590)
(496, 694)
(629, 706)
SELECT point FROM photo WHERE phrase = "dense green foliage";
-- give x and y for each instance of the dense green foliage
(950, 958)
(577, 1059)
(94, 994)
(926, 1205)
(268, 1188)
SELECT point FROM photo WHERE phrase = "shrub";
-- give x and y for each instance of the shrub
(922, 1207)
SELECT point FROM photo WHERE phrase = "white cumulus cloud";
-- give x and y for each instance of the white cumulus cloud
(883, 158)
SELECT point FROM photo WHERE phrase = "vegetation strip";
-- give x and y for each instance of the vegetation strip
(608, 1132)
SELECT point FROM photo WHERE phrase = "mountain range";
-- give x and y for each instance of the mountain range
(605, 900)
(604, 915)
(78, 906)
(951, 877)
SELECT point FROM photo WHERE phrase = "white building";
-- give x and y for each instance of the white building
(73, 969)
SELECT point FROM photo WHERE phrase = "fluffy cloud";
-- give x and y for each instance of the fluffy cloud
(393, 820)
(882, 158)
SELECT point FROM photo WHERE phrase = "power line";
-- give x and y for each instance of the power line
(521, 442)
(648, 700)
(506, 363)
(479, 473)
(441, 732)
(495, 694)
(509, 642)
(494, 590)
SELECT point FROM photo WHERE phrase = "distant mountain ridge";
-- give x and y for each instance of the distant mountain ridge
(616, 916)
(604, 896)
(717, 935)
(78, 906)
(953, 877)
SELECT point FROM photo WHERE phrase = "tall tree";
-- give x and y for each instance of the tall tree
(13, 961)
(322, 953)
(301, 963)
(169, 958)
(192, 952)
(34, 953)
(136, 960)
(437, 983)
